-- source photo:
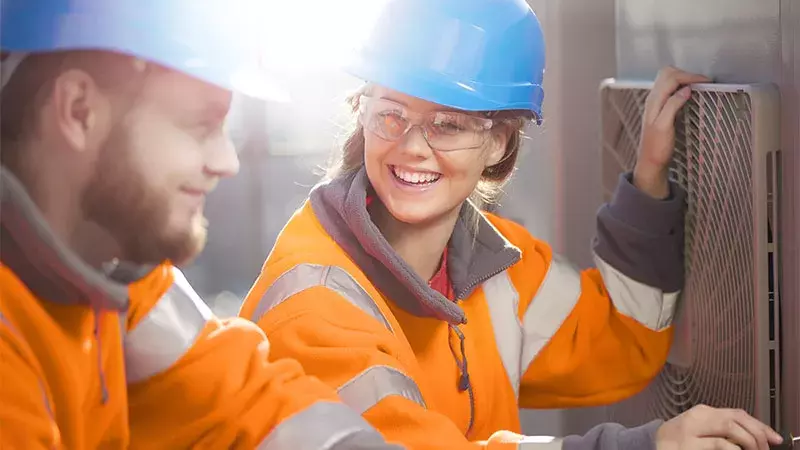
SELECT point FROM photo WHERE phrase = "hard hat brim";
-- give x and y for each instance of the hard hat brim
(445, 92)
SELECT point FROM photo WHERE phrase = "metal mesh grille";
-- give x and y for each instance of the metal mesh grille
(713, 162)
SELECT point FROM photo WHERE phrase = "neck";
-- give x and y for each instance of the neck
(94, 244)
(420, 245)
(59, 203)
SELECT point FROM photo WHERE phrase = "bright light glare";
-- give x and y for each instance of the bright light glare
(315, 34)
(304, 45)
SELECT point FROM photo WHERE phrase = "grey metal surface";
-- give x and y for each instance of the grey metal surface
(790, 315)
(734, 41)
(730, 40)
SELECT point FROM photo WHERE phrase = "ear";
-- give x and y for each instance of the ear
(500, 137)
(80, 109)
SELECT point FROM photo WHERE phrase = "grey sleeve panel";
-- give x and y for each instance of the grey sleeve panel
(326, 426)
(642, 237)
(612, 436)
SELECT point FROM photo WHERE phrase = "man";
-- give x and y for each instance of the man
(112, 136)
(111, 133)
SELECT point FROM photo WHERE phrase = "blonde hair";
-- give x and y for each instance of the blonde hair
(490, 187)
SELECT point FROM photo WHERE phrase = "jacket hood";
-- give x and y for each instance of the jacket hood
(476, 251)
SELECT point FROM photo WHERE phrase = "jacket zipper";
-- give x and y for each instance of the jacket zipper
(481, 280)
(464, 383)
(101, 372)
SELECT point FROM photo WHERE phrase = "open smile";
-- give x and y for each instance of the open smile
(412, 177)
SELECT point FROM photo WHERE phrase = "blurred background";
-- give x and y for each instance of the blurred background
(556, 190)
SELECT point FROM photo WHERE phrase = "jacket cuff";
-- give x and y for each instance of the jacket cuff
(644, 213)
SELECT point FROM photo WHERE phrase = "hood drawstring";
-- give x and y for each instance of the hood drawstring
(101, 372)
(464, 383)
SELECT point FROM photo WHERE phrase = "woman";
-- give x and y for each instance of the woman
(434, 319)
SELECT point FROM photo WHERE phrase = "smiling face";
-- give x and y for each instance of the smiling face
(156, 167)
(416, 183)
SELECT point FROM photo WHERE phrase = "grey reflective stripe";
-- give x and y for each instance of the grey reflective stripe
(168, 330)
(554, 301)
(645, 304)
(306, 276)
(325, 426)
(366, 389)
(540, 443)
(503, 302)
(45, 398)
(123, 324)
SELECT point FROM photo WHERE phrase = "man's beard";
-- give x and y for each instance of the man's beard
(136, 215)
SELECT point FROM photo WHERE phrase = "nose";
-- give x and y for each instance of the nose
(222, 160)
(415, 144)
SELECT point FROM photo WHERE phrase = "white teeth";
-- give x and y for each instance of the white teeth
(416, 177)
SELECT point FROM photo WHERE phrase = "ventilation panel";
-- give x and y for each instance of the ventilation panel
(726, 350)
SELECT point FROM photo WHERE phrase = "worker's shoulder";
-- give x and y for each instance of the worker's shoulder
(21, 312)
(513, 232)
(535, 254)
(12, 289)
(305, 251)
(304, 240)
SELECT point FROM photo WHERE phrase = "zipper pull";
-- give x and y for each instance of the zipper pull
(463, 381)
(99, 348)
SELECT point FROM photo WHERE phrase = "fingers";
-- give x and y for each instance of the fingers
(743, 438)
(669, 79)
(714, 444)
(667, 82)
(740, 428)
(703, 427)
(675, 102)
(763, 433)
(505, 436)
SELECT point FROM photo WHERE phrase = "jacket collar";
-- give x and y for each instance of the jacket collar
(46, 266)
(476, 252)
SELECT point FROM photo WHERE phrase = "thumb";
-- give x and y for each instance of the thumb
(670, 110)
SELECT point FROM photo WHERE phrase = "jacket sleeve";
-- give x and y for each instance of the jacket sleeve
(26, 418)
(612, 436)
(355, 353)
(606, 436)
(199, 382)
(601, 335)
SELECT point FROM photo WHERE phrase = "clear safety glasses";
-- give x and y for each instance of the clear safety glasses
(443, 130)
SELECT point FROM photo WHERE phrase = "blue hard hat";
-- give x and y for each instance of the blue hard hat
(213, 40)
(474, 55)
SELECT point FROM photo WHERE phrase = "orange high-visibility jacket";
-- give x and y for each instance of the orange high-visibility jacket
(87, 362)
(527, 329)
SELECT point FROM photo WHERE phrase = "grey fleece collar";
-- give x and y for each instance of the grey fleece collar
(45, 265)
(473, 256)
